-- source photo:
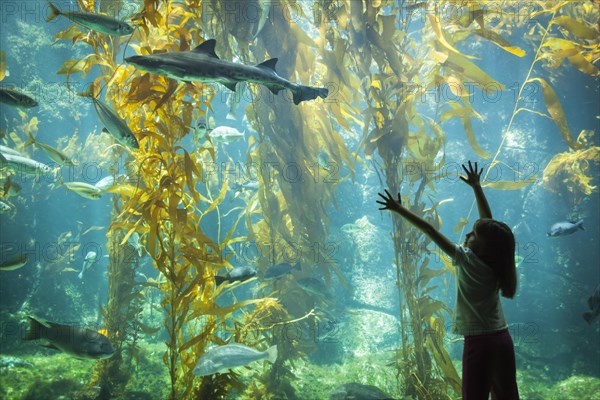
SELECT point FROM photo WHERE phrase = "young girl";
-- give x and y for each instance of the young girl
(485, 266)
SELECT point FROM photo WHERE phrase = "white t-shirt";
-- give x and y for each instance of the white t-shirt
(478, 309)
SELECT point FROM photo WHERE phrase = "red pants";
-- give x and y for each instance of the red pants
(489, 365)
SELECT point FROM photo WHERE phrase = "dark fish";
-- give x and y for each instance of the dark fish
(222, 358)
(15, 98)
(203, 65)
(237, 274)
(95, 22)
(114, 125)
(314, 286)
(565, 228)
(356, 391)
(73, 340)
(14, 263)
(279, 270)
(594, 305)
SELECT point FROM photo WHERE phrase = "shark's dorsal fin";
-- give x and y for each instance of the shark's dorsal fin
(207, 47)
(270, 64)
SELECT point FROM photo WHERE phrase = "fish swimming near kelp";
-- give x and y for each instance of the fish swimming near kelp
(594, 305)
(565, 228)
(222, 358)
(225, 134)
(15, 98)
(239, 274)
(78, 342)
(113, 124)
(95, 22)
(84, 190)
(14, 263)
(88, 261)
(23, 165)
(54, 154)
(279, 270)
(203, 65)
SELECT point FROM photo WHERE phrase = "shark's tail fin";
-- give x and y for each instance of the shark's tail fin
(302, 93)
(54, 12)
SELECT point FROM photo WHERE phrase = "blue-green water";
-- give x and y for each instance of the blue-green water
(357, 325)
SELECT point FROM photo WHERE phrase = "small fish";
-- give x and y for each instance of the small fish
(109, 181)
(14, 263)
(54, 154)
(265, 8)
(23, 165)
(95, 22)
(14, 98)
(565, 228)
(225, 134)
(249, 185)
(358, 391)
(113, 124)
(79, 342)
(88, 261)
(279, 270)
(203, 65)
(240, 274)
(594, 305)
(4, 207)
(222, 358)
(84, 190)
(313, 286)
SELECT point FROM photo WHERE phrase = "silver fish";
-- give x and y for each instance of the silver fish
(222, 358)
(79, 342)
(8, 150)
(84, 190)
(225, 134)
(95, 22)
(203, 65)
(88, 261)
(23, 165)
(14, 98)
(565, 228)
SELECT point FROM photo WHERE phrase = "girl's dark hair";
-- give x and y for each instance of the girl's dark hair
(499, 253)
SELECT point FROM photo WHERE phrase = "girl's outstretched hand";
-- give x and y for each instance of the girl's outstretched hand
(389, 203)
(473, 176)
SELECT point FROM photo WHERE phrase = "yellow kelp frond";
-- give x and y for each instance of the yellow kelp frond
(465, 113)
(556, 111)
(577, 27)
(2, 65)
(570, 171)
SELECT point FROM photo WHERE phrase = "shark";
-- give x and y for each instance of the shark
(203, 65)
